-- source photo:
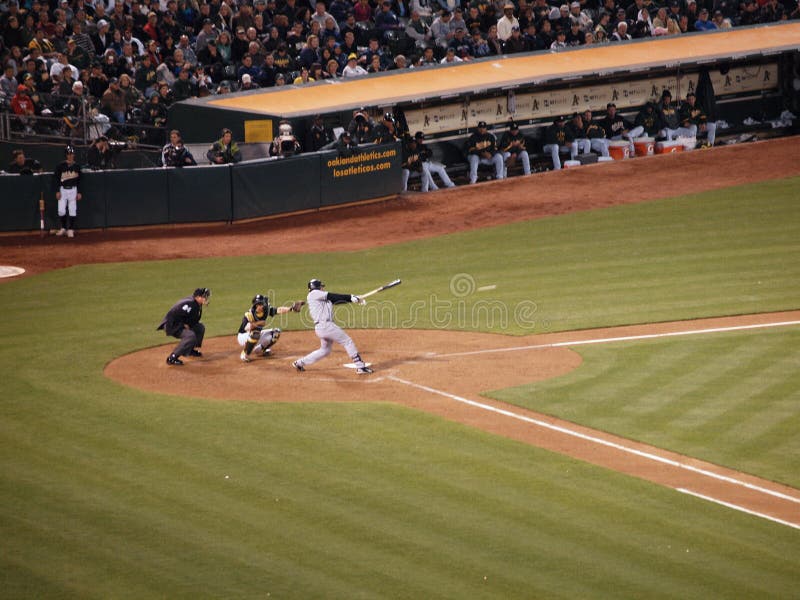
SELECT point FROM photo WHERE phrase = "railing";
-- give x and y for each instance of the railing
(83, 128)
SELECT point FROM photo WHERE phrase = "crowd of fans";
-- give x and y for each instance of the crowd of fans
(126, 62)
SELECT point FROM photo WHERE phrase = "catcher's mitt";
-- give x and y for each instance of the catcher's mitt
(297, 305)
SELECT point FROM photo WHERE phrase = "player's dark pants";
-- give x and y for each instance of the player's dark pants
(190, 339)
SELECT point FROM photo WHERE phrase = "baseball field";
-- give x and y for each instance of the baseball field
(587, 386)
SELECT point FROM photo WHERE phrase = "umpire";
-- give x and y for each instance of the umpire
(182, 321)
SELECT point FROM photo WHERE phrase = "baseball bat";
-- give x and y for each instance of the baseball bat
(41, 213)
(391, 284)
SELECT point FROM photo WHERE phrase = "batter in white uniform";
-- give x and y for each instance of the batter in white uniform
(320, 305)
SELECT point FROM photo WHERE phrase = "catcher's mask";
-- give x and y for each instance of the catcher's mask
(259, 300)
(315, 284)
(203, 292)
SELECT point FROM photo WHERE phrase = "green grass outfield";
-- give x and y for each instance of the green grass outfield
(108, 492)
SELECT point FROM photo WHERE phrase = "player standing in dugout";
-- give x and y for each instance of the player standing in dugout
(66, 182)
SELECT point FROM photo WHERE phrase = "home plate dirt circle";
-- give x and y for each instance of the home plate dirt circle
(404, 353)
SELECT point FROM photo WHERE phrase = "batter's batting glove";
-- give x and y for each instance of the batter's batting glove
(357, 300)
(297, 305)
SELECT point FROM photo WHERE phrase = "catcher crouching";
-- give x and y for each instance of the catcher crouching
(253, 335)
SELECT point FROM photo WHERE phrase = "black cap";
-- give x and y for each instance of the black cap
(610, 104)
(666, 94)
(482, 124)
(419, 135)
(513, 125)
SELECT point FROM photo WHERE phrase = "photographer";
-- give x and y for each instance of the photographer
(102, 154)
(175, 154)
(286, 143)
(224, 150)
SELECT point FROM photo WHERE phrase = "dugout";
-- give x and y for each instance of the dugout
(752, 69)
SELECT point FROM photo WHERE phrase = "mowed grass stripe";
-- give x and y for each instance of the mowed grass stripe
(728, 398)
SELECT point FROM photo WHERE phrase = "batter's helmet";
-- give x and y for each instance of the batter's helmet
(315, 284)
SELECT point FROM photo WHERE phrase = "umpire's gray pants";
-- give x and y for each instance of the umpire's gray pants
(190, 339)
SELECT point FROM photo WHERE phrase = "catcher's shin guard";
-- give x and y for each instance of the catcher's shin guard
(248, 347)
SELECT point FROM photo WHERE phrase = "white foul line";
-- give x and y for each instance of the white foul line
(597, 440)
(626, 338)
(741, 508)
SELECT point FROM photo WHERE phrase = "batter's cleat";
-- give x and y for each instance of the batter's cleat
(266, 352)
(174, 360)
(296, 364)
(243, 357)
(364, 371)
(70, 233)
(61, 232)
(195, 353)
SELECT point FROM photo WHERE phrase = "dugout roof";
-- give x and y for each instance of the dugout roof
(508, 72)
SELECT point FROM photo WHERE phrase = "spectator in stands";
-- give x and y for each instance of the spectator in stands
(268, 72)
(450, 57)
(560, 42)
(386, 21)
(206, 33)
(461, 43)
(8, 83)
(224, 150)
(184, 87)
(102, 38)
(621, 32)
(332, 70)
(76, 55)
(418, 30)
(353, 69)
(506, 23)
(515, 43)
(248, 67)
(720, 21)
(20, 165)
(146, 77)
(441, 29)
(663, 25)
(574, 36)
(304, 77)
(23, 108)
(751, 14)
(113, 102)
(703, 23)
(310, 53)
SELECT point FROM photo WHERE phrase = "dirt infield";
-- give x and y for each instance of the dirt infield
(412, 368)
